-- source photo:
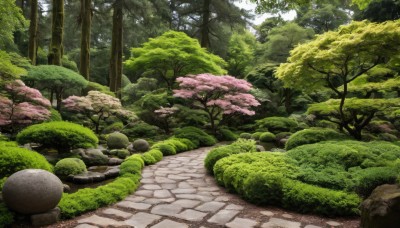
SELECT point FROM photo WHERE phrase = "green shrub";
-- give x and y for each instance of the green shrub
(6, 216)
(156, 154)
(98, 87)
(3, 138)
(55, 115)
(117, 126)
(196, 135)
(282, 135)
(14, 159)
(69, 166)
(264, 188)
(141, 130)
(165, 148)
(366, 180)
(189, 144)
(312, 135)
(60, 135)
(277, 124)
(267, 137)
(117, 140)
(225, 134)
(388, 137)
(148, 159)
(245, 135)
(256, 135)
(122, 153)
(240, 146)
(140, 145)
(2, 181)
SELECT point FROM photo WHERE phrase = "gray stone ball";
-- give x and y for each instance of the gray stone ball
(32, 191)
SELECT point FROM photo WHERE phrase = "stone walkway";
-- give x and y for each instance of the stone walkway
(178, 193)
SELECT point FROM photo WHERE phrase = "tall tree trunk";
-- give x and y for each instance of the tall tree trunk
(86, 17)
(57, 30)
(116, 49)
(33, 27)
(204, 29)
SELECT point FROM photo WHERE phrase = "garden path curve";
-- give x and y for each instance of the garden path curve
(177, 192)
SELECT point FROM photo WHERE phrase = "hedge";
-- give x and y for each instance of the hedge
(313, 135)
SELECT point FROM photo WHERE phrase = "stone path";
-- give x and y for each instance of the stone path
(178, 193)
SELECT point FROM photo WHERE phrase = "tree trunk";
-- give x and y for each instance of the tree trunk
(116, 49)
(204, 29)
(33, 27)
(57, 30)
(86, 17)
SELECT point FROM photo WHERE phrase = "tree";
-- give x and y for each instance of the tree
(22, 106)
(116, 47)
(171, 55)
(33, 30)
(266, 26)
(86, 25)
(217, 95)
(380, 11)
(11, 20)
(97, 107)
(56, 49)
(8, 71)
(337, 58)
(241, 53)
(281, 40)
(58, 80)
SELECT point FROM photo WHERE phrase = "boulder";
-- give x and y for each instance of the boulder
(87, 177)
(260, 148)
(382, 208)
(94, 157)
(115, 161)
(32, 191)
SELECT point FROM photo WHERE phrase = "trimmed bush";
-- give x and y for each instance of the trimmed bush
(148, 159)
(225, 134)
(117, 140)
(69, 166)
(60, 135)
(189, 144)
(166, 149)
(123, 153)
(156, 154)
(277, 124)
(312, 135)
(14, 159)
(256, 135)
(196, 135)
(267, 137)
(141, 129)
(117, 126)
(140, 145)
(55, 115)
(240, 146)
(245, 135)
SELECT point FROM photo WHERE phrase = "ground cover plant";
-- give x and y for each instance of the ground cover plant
(328, 178)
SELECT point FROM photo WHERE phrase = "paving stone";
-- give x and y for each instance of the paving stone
(163, 180)
(288, 216)
(312, 226)
(170, 224)
(133, 205)
(186, 203)
(145, 175)
(241, 223)
(184, 184)
(234, 207)
(191, 215)
(276, 222)
(223, 216)
(195, 197)
(208, 189)
(168, 186)
(210, 206)
(100, 221)
(151, 187)
(177, 177)
(145, 193)
(333, 224)
(85, 226)
(166, 209)
(222, 198)
(267, 213)
(142, 220)
(162, 194)
(184, 191)
(147, 181)
(117, 213)
(135, 198)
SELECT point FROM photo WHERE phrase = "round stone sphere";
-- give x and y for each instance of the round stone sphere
(32, 191)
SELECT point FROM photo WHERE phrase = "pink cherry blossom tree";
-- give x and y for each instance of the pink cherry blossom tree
(97, 107)
(21, 105)
(217, 95)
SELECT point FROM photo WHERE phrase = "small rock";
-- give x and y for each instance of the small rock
(170, 223)
(332, 224)
(288, 216)
(241, 222)
(47, 218)
(267, 213)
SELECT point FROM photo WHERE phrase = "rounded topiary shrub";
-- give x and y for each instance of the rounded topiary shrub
(60, 135)
(267, 137)
(14, 159)
(166, 149)
(140, 145)
(245, 135)
(196, 135)
(123, 153)
(225, 134)
(117, 140)
(312, 135)
(256, 135)
(277, 124)
(69, 166)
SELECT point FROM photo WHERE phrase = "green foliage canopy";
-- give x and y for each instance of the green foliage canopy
(11, 21)
(174, 54)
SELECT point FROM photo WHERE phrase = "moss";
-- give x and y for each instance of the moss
(69, 166)
(117, 140)
(267, 137)
(277, 124)
(312, 135)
